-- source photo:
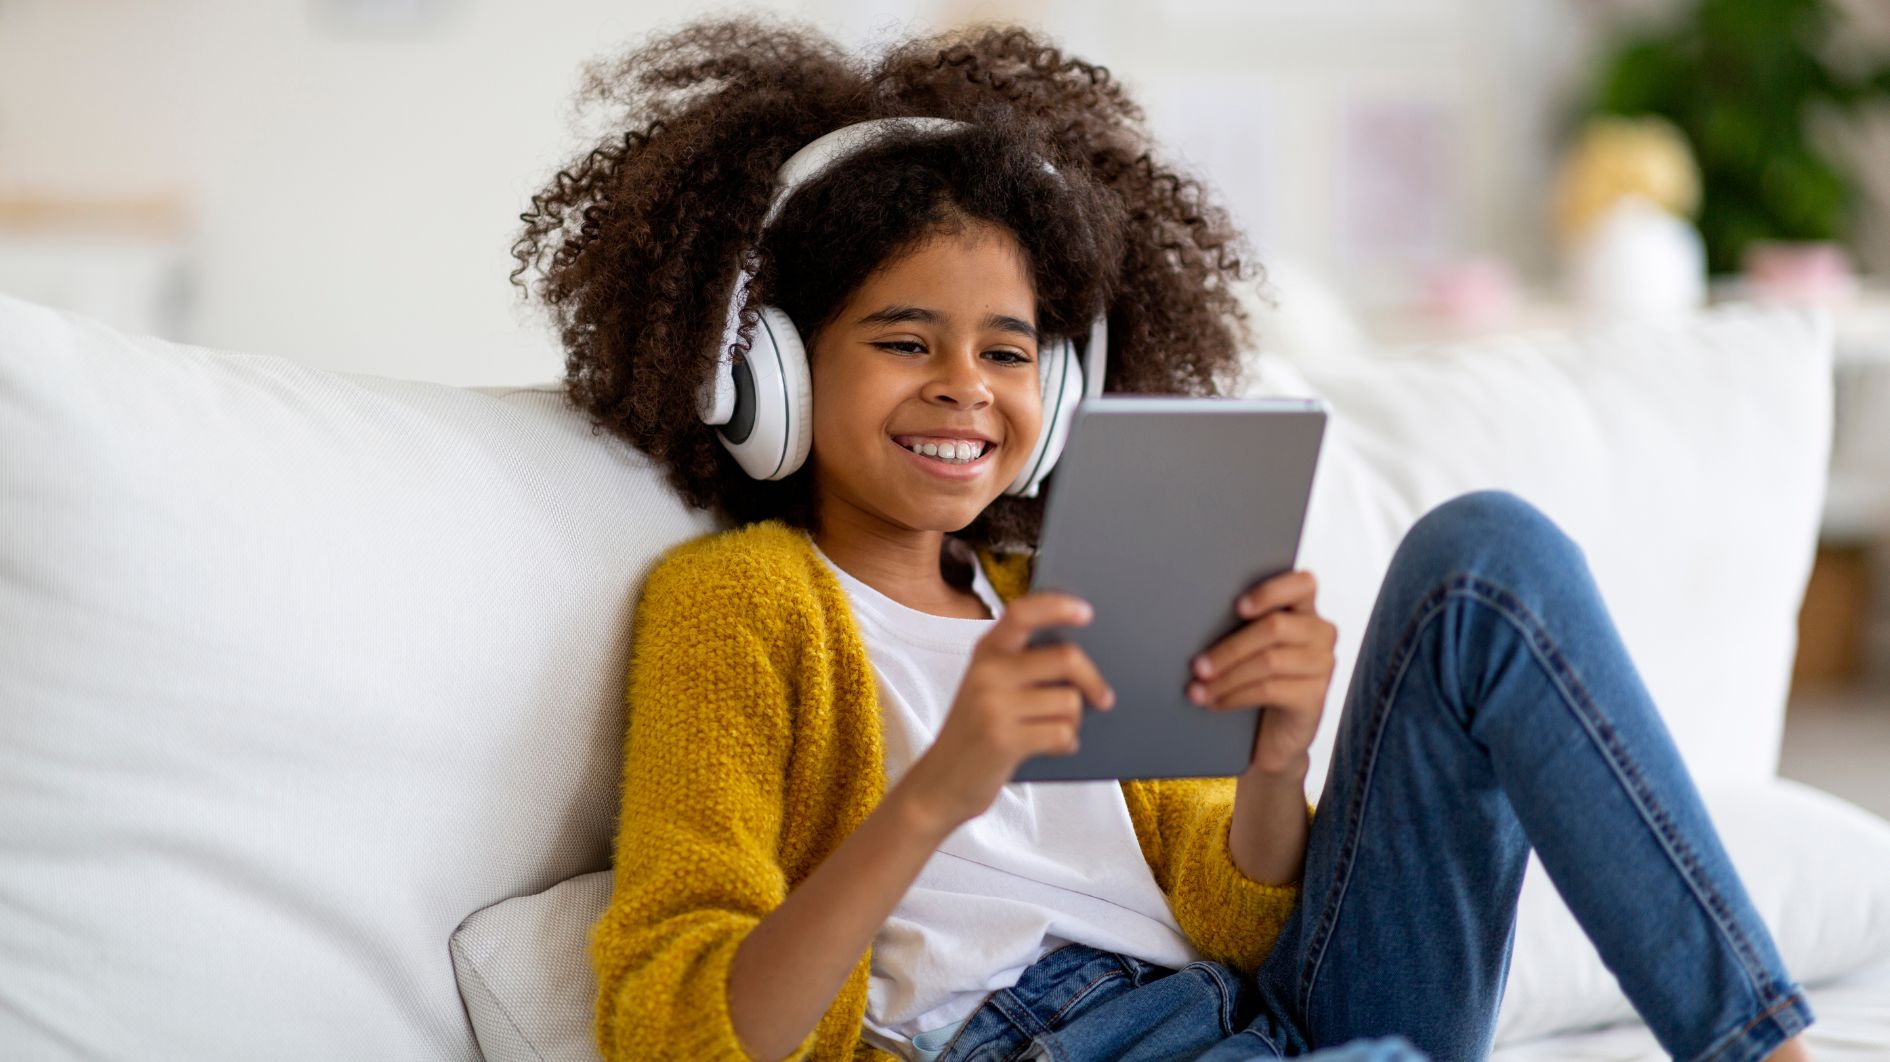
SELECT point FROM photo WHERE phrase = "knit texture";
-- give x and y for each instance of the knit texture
(753, 749)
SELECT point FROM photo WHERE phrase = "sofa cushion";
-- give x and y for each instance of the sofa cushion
(1686, 458)
(300, 668)
(1817, 869)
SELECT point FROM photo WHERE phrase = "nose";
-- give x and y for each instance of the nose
(960, 380)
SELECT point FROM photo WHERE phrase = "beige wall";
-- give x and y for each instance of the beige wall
(352, 198)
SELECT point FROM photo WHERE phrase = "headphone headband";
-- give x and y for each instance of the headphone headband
(717, 398)
(766, 401)
(822, 152)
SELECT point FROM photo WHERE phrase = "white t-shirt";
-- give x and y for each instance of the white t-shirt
(1050, 863)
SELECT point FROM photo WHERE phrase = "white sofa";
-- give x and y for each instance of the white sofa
(311, 684)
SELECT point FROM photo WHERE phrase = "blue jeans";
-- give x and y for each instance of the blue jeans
(1493, 708)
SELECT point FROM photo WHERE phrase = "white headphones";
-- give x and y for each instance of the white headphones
(766, 404)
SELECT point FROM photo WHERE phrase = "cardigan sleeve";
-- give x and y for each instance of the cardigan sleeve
(697, 849)
(1182, 826)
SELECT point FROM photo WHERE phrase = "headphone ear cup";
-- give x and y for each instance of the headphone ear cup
(776, 405)
(799, 377)
(1061, 377)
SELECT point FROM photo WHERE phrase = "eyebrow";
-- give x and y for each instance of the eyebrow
(997, 321)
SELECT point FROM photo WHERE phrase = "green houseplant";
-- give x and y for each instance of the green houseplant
(1747, 81)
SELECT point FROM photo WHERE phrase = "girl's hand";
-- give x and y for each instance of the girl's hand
(1009, 708)
(1280, 660)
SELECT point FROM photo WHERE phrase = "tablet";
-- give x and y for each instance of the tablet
(1162, 511)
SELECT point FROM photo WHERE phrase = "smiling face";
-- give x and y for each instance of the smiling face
(940, 343)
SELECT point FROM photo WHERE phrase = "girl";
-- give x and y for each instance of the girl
(819, 852)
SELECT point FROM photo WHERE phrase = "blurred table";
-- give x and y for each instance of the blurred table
(1844, 627)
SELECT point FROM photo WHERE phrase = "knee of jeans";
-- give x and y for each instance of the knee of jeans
(1472, 530)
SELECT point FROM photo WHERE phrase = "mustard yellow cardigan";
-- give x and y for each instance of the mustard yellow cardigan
(753, 750)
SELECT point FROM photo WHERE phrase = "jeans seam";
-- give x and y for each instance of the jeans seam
(1264, 1039)
(1368, 759)
(1031, 1026)
(1083, 993)
(1576, 699)
(992, 1000)
(1581, 706)
(1792, 1001)
(1227, 998)
(1021, 1019)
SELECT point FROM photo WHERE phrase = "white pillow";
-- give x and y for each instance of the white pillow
(1817, 868)
(1687, 459)
(526, 975)
(299, 669)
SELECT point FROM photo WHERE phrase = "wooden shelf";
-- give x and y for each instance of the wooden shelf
(160, 214)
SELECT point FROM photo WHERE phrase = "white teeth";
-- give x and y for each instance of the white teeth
(951, 453)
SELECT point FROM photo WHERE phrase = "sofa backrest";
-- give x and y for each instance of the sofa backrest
(1687, 458)
(300, 669)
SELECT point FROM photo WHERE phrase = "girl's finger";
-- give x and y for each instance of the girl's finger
(1048, 704)
(1291, 693)
(1064, 662)
(1278, 628)
(1279, 661)
(1023, 616)
(1294, 589)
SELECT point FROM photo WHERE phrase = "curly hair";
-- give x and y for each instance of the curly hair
(637, 243)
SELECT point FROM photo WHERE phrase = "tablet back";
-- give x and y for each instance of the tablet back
(1161, 512)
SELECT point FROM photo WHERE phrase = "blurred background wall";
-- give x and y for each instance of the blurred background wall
(338, 181)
